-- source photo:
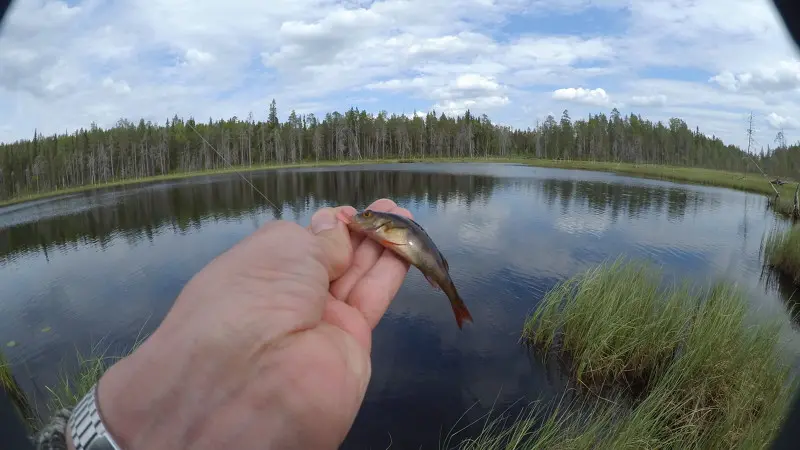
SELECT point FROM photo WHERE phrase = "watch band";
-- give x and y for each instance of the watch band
(86, 426)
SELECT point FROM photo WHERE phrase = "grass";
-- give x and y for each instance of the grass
(614, 322)
(751, 182)
(782, 251)
(19, 399)
(70, 387)
(675, 367)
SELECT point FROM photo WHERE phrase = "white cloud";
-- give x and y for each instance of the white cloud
(456, 95)
(119, 87)
(717, 35)
(648, 100)
(66, 64)
(304, 44)
(782, 122)
(195, 56)
(555, 51)
(480, 103)
(785, 76)
(595, 96)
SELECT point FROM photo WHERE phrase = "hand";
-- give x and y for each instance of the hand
(268, 346)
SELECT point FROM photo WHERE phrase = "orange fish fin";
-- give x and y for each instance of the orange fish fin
(387, 242)
(433, 283)
(461, 312)
(388, 238)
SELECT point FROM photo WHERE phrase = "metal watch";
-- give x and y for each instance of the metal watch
(86, 426)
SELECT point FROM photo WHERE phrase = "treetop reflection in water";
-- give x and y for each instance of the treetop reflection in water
(139, 213)
(116, 258)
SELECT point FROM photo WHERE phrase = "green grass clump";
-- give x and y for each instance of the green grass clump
(19, 398)
(782, 251)
(71, 387)
(670, 367)
(613, 322)
(570, 425)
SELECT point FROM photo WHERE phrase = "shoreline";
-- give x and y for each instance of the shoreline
(747, 182)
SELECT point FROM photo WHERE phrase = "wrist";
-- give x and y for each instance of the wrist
(169, 395)
(135, 398)
(166, 395)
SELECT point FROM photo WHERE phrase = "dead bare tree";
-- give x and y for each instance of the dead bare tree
(749, 155)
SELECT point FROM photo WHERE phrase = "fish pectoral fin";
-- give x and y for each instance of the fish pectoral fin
(433, 283)
(388, 240)
(393, 236)
(388, 227)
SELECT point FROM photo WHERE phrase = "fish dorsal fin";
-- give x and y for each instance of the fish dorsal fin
(444, 261)
(420, 228)
(414, 222)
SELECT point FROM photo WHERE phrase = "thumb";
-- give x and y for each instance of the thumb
(333, 238)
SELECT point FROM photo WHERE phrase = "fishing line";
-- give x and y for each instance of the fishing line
(231, 166)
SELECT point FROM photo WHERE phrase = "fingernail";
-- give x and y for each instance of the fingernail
(323, 220)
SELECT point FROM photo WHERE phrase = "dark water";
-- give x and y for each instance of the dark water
(108, 264)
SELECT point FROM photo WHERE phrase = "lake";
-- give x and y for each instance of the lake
(107, 265)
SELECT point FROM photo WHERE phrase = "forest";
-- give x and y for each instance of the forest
(144, 149)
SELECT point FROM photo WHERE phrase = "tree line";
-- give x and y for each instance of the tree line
(137, 150)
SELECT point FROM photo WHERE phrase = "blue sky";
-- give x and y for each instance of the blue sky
(64, 65)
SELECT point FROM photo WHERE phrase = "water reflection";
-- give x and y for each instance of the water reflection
(108, 264)
(137, 213)
(142, 213)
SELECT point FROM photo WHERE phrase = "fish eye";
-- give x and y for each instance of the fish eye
(367, 213)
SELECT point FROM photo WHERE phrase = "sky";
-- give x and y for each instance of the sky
(66, 64)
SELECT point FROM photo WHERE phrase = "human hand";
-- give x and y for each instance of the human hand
(268, 346)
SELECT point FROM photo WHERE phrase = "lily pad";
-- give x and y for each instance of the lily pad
(11, 344)
(46, 329)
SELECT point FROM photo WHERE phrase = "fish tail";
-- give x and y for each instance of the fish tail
(459, 308)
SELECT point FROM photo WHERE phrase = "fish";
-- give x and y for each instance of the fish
(412, 243)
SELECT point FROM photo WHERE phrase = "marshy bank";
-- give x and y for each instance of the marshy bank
(781, 196)
(659, 364)
(782, 251)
